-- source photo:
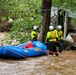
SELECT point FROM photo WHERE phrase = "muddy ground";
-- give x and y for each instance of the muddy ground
(64, 64)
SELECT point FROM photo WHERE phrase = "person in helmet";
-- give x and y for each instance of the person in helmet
(60, 38)
(51, 28)
(51, 40)
(59, 27)
(34, 33)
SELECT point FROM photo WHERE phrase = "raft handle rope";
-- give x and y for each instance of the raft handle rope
(14, 52)
(26, 57)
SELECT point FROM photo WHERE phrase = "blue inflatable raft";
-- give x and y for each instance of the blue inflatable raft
(19, 51)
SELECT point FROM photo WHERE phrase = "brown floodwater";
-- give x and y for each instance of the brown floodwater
(64, 64)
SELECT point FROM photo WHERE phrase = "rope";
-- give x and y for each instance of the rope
(47, 51)
(58, 53)
(14, 52)
(18, 54)
(39, 50)
(50, 52)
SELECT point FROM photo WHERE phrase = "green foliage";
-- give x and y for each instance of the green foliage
(25, 14)
(73, 21)
(65, 4)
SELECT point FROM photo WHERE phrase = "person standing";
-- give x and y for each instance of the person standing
(51, 39)
(34, 33)
(60, 38)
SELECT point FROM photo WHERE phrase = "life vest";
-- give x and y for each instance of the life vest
(52, 35)
(28, 45)
(60, 34)
(33, 34)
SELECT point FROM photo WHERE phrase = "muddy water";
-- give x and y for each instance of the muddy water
(64, 64)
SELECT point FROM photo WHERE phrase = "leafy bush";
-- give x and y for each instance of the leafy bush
(24, 21)
(25, 14)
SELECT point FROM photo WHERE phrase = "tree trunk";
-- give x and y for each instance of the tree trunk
(65, 24)
(46, 8)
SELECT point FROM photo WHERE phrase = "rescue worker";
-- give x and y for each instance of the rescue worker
(60, 38)
(51, 40)
(34, 33)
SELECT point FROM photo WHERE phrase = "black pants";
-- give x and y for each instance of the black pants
(59, 44)
(52, 48)
(34, 39)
